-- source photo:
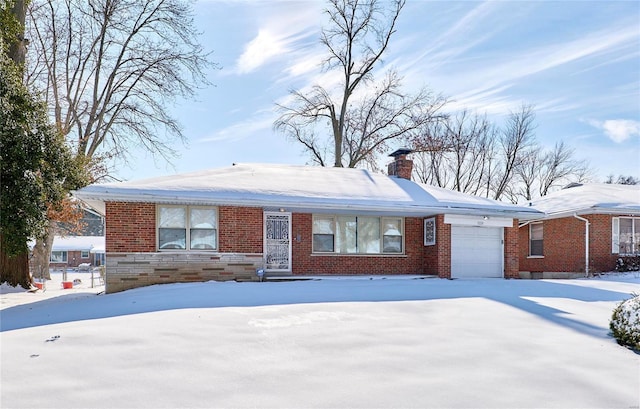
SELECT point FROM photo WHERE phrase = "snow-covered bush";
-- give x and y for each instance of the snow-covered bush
(625, 322)
(628, 263)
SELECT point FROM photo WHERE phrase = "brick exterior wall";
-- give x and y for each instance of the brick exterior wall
(306, 263)
(130, 227)
(240, 229)
(564, 246)
(511, 251)
(74, 259)
(133, 261)
(437, 259)
(600, 257)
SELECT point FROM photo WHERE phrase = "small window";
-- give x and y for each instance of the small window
(58, 257)
(626, 235)
(187, 228)
(84, 254)
(535, 240)
(392, 235)
(203, 229)
(323, 234)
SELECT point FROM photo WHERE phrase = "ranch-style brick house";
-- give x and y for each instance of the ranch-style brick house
(586, 228)
(75, 251)
(228, 223)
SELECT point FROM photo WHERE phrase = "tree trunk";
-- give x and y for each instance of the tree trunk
(14, 270)
(42, 253)
(18, 49)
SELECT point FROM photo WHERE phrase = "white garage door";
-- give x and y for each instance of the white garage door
(476, 252)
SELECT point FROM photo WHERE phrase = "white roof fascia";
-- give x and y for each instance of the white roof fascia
(477, 220)
(594, 210)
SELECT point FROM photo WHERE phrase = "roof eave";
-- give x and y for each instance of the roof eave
(616, 211)
(292, 204)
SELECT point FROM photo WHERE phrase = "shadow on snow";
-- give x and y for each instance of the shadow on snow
(72, 307)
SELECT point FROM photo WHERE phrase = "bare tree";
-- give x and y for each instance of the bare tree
(459, 153)
(430, 155)
(386, 115)
(529, 172)
(559, 167)
(540, 171)
(110, 70)
(623, 180)
(470, 154)
(515, 142)
(361, 121)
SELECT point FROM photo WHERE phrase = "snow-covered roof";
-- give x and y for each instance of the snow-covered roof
(78, 243)
(301, 188)
(594, 198)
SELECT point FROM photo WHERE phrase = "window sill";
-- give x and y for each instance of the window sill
(186, 251)
(359, 255)
(535, 256)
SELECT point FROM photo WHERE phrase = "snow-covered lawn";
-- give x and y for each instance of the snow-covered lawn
(331, 343)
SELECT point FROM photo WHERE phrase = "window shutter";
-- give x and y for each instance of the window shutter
(615, 235)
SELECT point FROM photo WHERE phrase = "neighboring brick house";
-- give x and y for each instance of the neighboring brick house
(227, 223)
(74, 251)
(586, 228)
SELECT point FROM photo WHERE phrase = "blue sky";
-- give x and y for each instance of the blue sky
(576, 62)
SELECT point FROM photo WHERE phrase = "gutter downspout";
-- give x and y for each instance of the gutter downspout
(586, 243)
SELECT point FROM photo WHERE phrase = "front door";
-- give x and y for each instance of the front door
(277, 241)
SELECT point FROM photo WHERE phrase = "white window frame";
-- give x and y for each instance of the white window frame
(188, 227)
(84, 253)
(531, 225)
(382, 219)
(65, 256)
(615, 236)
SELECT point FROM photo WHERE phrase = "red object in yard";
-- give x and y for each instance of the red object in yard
(67, 284)
(38, 285)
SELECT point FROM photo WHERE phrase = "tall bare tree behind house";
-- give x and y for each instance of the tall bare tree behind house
(362, 115)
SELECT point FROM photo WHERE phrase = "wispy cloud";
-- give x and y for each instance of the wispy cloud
(600, 42)
(462, 36)
(260, 123)
(263, 47)
(516, 66)
(457, 62)
(283, 28)
(618, 130)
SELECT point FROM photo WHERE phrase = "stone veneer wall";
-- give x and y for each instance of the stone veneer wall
(131, 270)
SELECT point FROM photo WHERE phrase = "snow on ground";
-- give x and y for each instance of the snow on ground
(372, 342)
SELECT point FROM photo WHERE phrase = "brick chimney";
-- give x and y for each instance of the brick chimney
(401, 166)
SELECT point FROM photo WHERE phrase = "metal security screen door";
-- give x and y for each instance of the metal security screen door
(277, 241)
